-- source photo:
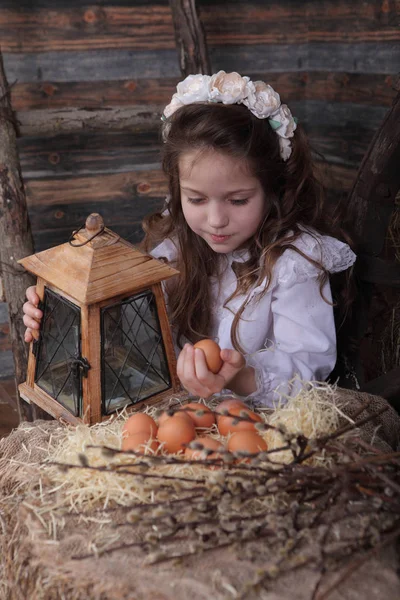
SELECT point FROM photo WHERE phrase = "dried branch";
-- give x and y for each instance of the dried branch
(236, 505)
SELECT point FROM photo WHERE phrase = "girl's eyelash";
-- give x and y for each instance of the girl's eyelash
(240, 201)
(237, 202)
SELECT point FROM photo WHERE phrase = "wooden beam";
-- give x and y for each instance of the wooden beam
(134, 65)
(134, 119)
(326, 86)
(190, 38)
(15, 239)
(104, 25)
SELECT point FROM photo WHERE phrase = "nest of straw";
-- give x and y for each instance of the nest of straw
(310, 415)
(309, 500)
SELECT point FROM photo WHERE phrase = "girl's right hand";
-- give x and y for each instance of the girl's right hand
(198, 380)
(32, 315)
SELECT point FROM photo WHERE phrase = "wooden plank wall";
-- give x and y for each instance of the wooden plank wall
(333, 61)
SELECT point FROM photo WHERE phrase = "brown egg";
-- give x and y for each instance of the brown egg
(200, 422)
(139, 422)
(178, 413)
(138, 441)
(207, 442)
(225, 424)
(229, 403)
(246, 441)
(212, 354)
(175, 432)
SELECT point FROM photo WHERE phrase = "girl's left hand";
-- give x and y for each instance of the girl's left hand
(198, 380)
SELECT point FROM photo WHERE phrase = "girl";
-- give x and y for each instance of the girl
(244, 223)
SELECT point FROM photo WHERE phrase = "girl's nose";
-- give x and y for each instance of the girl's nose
(217, 215)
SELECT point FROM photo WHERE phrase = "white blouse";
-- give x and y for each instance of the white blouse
(289, 333)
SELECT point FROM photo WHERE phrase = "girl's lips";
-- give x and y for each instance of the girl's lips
(219, 238)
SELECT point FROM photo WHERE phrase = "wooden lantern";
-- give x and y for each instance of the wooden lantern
(105, 341)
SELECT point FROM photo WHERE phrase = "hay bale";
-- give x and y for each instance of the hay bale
(87, 533)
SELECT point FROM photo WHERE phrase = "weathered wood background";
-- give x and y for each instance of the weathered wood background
(333, 61)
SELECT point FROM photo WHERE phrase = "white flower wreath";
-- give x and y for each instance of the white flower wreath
(231, 88)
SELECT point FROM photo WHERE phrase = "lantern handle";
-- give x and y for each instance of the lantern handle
(71, 237)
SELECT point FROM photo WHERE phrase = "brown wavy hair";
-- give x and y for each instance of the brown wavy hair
(294, 199)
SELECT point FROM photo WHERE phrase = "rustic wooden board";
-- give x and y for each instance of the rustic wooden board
(125, 92)
(134, 185)
(371, 89)
(70, 156)
(88, 153)
(148, 27)
(122, 217)
(136, 120)
(92, 65)
(55, 121)
(314, 56)
(296, 21)
(340, 132)
(87, 27)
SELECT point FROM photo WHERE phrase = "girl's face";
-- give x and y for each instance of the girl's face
(221, 201)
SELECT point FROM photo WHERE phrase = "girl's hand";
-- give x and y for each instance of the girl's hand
(198, 380)
(32, 315)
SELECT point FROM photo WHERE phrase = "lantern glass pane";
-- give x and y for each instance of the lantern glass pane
(59, 346)
(134, 363)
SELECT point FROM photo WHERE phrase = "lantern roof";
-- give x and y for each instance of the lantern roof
(97, 265)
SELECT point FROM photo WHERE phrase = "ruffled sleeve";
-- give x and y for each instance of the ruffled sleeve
(334, 255)
(302, 345)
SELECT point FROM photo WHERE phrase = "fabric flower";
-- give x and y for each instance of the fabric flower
(231, 88)
(228, 88)
(193, 89)
(172, 106)
(285, 118)
(285, 148)
(262, 100)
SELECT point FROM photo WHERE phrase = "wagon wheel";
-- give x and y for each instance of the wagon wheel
(370, 206)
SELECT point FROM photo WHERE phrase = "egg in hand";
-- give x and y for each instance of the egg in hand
(212, 353)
